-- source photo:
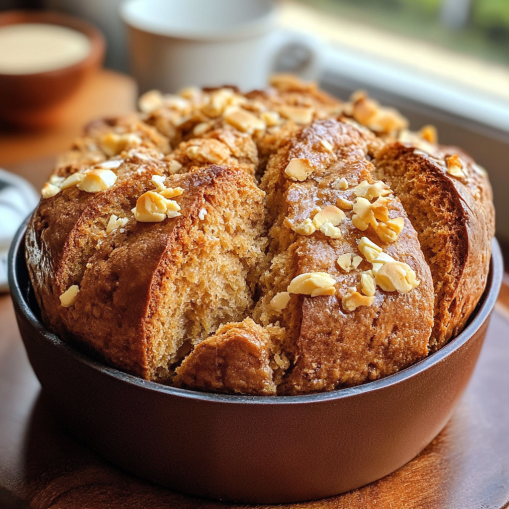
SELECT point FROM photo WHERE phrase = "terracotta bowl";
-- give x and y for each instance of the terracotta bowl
(250, 449)
(37, 100)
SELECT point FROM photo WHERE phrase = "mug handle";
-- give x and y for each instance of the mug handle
(297, 53)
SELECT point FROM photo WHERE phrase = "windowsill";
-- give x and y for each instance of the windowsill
(414, 70)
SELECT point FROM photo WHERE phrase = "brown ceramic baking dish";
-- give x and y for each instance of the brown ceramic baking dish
(250, 449)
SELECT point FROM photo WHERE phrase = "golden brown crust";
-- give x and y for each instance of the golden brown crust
(328, 346)
(454, 218)
(152, 296)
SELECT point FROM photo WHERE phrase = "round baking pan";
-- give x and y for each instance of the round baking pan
(250, 449)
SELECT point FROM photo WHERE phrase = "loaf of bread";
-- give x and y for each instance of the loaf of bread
(279, 242)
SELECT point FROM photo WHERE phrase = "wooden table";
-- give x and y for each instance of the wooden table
(465, 467)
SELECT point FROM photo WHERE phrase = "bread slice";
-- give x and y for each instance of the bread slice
(451, 209)
(327, 345)
(149, 291)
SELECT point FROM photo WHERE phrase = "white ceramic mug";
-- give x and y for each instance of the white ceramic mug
(178, 43)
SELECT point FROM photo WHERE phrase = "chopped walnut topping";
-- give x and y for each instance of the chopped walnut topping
(380, 260)
(390, 230)
(49, 190)
(371, 191)
(377, 190)
(356, 261)
(479, 170)
(363, 108)
(369, 249)
(359, 223)
(455, 166)
(429, 134)
(218, 100)
(297, 114)
(171, 192)
(167, 192)
(307, 227)
(95, 181)
(208, 151)
(110, 165)
(327, 145)
(201, 128)
(271, 118)
(369, 113)
(325, 220)
(329, 230)
(349, 261)
(151, 207)
(353, 299)
(341, 183)
(158, 181)
(56, 180)
(112, 143)
(174, 167)
(115, 222)
(280, 301)
(313, 283)
(368, 286)
(244, 121)
(380, 210)
(396, 276)
(150, 101)
(190, 93)
(177, 102)
(362, 209)
(329, 214)
(69, 296)
(299, 169)
(362, 189)
(344, 204)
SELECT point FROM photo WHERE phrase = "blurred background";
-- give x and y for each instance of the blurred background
(441, 62)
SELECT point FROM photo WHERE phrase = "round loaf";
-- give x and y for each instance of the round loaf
(156, 248)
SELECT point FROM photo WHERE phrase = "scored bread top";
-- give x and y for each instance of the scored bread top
(329, 346)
